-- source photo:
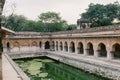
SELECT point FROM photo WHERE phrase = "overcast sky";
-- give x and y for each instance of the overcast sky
(69, 10)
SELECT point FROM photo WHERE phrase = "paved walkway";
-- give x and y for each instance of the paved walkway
(114, 63)
(8, 72)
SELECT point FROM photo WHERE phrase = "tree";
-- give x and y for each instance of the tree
(102, 15)
(49, 17)
(52, 21)
(15, 22)
(71, 27)
(34, 26)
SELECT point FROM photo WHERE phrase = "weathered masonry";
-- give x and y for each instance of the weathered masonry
(97, 42)
(101, 44)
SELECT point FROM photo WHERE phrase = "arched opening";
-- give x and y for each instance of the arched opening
(102, 52)
(90, 50)
(40, 44)
(8, 46)
(61, 46)
(56, 45)
(53, 45)
(116, 51)
(80, 48)
(47, 45)
(66, 47)
(72, 47)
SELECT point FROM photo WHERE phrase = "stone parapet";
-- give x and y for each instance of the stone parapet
(105, 31)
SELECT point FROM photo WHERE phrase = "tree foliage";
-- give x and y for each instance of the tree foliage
(102, 15)
(52, 22)
(48, 22)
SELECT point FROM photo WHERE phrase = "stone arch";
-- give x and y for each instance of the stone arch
(8, 46)
(47, 45)
(102, 52)
(61, 46)
(80, 48)
(34, 43)
(90, 50)
(66, 46)
(57, 45)
(40, 44)
(116, 51)
(72, 47)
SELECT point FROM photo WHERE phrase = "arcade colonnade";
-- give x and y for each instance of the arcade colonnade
(108, 48)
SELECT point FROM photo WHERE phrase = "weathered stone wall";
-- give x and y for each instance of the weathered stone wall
(99, 68)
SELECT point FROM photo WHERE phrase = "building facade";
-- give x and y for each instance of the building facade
(102, 42)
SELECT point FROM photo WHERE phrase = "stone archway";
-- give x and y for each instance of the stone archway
(72, 47)
(8, 46)
(66, 47)
(53, 45)
(40, 44)
(47, 45)
(90, 50)
(116, 51)
(80, 48)
(61, 46)
(102, 52)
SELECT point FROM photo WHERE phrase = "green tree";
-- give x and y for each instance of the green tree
(34, 26)
(102, 15)
(52, 22)
(14, 22)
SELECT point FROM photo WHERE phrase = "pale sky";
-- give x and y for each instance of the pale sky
(69, 10)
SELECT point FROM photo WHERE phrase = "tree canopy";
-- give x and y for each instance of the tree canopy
(48, 22)
(102, 15)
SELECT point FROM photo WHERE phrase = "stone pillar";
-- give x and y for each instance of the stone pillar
(63, 48)
(96, 53)
(68, 48)
(85, 52)
(51, 46)
(43, 46)
(55, 48)
(76, 50)
(109, 55)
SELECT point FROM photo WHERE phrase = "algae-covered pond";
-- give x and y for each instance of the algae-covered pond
(48, 69)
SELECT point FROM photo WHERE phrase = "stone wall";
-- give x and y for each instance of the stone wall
(105, 70)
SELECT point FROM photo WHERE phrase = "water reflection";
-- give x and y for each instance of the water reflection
(46, 69)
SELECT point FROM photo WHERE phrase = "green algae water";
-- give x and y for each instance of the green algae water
(48, 69)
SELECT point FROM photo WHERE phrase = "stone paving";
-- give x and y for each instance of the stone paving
(8, 71)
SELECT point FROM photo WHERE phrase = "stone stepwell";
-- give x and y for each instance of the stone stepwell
(103, 68)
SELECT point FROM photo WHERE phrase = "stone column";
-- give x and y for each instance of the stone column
(109, 55)
(51, 46)
(76, 50)
(55, 48)
(68, 48)
(43, 46)
(96, 53)
(85, 52)
(63, 48)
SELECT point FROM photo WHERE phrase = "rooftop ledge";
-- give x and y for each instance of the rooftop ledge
(7, 31)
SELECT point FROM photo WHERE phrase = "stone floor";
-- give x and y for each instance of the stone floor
(8, 71)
